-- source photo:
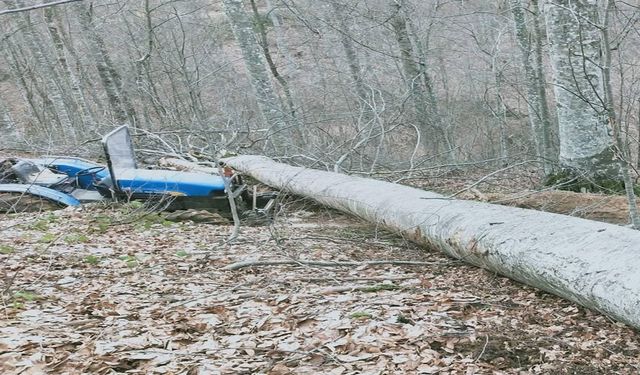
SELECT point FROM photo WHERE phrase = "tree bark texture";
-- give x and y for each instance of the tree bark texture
(593, 264)
(9, 137)
(624, 156)
(536, 94)
(284, 84)
(253, 57)
(54, 97)
(355, 70)
(57, 36)
(121, 106)
(576, 58)
(420, 84)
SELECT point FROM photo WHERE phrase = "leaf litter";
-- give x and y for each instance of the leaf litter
(79, 296)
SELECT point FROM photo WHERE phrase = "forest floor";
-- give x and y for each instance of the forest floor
(85, 291)
(108, 289)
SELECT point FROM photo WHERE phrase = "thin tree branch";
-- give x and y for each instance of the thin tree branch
(37, 6)
(254, 263)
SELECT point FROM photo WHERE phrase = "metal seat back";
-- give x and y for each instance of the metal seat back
(118, 149)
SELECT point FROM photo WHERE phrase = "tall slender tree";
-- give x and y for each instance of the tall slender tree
(622, 151)
(10, 136)
(268, 101)
(119, 101)
(53, 95)
(530, 51)
(419, 82)
(586, 141)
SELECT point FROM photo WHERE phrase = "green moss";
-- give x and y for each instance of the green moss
(76, 238)
(101, 224)
(48, 238)
(361, 315)
(404, 320)
(23, 295)
(568, 180)
(40, 225)
(150, 221)
(6, 249)
(130, 260)
(263, 19)
(92, 260)
(380, 287)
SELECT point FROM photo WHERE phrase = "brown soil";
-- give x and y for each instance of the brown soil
(608, 208)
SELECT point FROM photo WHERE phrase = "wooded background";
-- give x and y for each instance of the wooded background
(344, 85)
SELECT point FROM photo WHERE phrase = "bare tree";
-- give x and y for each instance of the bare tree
(254, 60)
(586, 141)
(53, 94)
(419, 82)
(73, 81)
(118, 99)
(529, 43)
(622, 150)
(10, 136)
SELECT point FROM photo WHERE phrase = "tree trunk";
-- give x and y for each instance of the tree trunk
(50, 16)
(284, 84)
(591, 263)
(121, 106)
(586, 142)
(268, 101)
(624, 156)
(10, 136)
(536, 101)
(355, 70)
(145, 80)
(35, 114)
(420, 85)
(549, 131)
(281, 40)
(54, 96)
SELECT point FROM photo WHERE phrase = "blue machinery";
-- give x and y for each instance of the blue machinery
(63, 179)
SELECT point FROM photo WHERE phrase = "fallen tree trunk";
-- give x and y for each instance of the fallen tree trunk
(594, 264)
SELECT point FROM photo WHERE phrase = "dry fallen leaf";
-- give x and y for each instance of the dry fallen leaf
(154, 300)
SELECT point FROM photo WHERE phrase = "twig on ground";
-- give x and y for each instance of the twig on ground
(486, 342)
(257, 263)
(359, 288)
(341, 279)
(488, 176)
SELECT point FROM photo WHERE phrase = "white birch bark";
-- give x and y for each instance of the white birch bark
(54, 94)
(576, 57)
(281, 41)
(9, 134)
(419, 83)
(355, 70)
(121, 106)
(268, 101)
(591, 263)
(50, 16)
(624, 156)
(536, 102)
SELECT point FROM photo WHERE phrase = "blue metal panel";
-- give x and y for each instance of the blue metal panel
(72, 166)
(149, 181)
(40, 191)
